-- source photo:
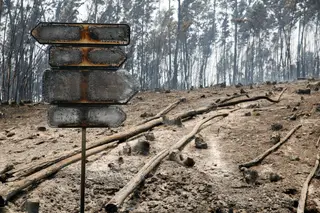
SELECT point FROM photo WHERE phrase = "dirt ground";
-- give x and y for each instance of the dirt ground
(213, 184)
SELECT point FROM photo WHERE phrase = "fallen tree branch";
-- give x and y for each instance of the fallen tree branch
(258, 159)
(165, 111)
(304, 191)
(231, 98)
(120, 196)
(318, 141)
(232, 103)
(14, 188)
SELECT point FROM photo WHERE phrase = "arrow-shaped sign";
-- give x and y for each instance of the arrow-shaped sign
(81, 34)
(91, 86)
(111, 58)
(85, 116)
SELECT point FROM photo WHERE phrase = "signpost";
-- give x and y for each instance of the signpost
(84, 82)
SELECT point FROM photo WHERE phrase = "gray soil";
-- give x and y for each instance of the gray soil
(213, 184)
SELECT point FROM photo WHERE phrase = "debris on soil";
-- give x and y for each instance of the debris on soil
(314, 86)
(149, 136)
(252, 106)
(146, 115)
(41, 128)
(3, 170)
(239, 85)
(274, 177)
(247, 114)
(202, 96)
(242, 91)
(172, 122)
(293, 117)
(221, 85)
(32, 206)
(275, 138)
(142, 147)
(250, 175)
(317, 107)
(276, 126)
(120, 160)
(294, 158)
(277, 89)
(10, 134)
(200, 143)
(303, 91)
(126, 149)
(255, 113)
(184, 160)
(290, 191)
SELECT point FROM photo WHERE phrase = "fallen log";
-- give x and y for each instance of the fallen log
(304, 191)
(120, 196)
(258, 159)
(231, 98)
(232, 103)
(14, 188)
(165, 111)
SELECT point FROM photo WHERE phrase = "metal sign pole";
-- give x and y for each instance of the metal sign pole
(83, 170)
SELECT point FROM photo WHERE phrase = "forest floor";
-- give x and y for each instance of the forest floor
(213, 184)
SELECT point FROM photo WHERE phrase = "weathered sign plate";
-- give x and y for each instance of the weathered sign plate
(88, 87)
(85, 116)
(81, 34)
(95, 58)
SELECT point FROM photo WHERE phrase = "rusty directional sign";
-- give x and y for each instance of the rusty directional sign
(92, 57)
(85, 116)
(88, 87)
(84, 80)
(81, 34)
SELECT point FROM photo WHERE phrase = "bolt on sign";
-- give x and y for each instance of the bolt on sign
(84, 60)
